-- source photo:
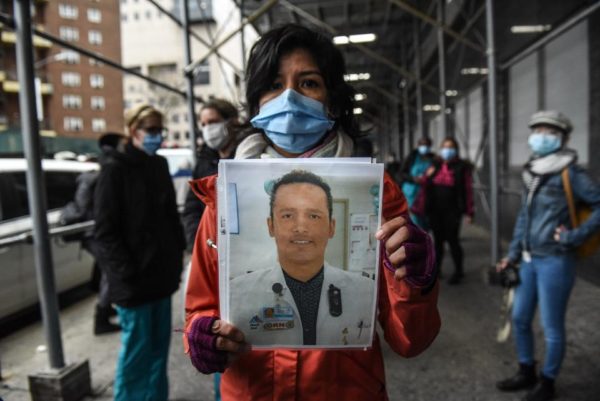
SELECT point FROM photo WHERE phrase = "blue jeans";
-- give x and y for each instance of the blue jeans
(142, 365)
(547, 280)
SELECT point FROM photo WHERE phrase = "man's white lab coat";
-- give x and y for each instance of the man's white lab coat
(252, 294)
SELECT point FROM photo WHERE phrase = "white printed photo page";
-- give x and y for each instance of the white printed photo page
(297, 250)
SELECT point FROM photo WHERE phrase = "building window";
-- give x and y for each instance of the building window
(94, 15)
(97, 103)
(68, 11)
(136, 16)
(148, 14)
(73, 124)
(124, 17)
(95, 37)
(71, 101)
(95, 62)
(68, 33)
(199, 10)
(70, 57)
(98, 124)
(175, 118)
(163, 71)
(202, 74)
(71, 79)
(96, 81)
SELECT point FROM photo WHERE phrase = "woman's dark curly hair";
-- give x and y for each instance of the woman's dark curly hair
(263, 66)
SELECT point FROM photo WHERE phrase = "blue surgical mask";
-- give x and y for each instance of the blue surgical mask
(293, 122)
(448, 153)
(544, 144)
(151, 143)
(423, 149)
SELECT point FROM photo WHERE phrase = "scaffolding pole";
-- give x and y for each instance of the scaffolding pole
(442, 67)
(36, 188)
(10, 24)
(423, 16)
(243, 38)
(364, 49)
(213, 49)
(418, 89)
(195, 35)
(189, 77)
(408, 135)
(493, 137)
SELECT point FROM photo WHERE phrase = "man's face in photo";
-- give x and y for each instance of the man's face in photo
(301, 224)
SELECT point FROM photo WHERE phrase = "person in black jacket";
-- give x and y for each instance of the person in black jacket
(449, 196)
(220, 127)
(140, 245)
(81, 209)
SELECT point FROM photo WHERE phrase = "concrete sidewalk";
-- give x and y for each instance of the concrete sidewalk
(463, 363)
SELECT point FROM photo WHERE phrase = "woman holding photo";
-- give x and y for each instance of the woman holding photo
(301, 106)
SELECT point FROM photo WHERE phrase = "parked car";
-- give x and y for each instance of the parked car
(180, 162)
(72, 265)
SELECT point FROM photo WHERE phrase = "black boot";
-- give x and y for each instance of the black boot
(543, 391)
(102, 323)
(524, 378)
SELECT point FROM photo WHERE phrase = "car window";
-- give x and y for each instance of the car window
(13, 196)
(60, 190)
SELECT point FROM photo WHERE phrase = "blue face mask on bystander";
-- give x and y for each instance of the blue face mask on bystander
(423, 149)
(448, 153)
(544, 144)
(293, 122)
(152, 142)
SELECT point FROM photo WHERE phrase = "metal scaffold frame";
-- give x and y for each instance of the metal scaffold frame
(408, 71)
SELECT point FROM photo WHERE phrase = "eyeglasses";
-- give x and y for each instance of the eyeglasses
(162, 131)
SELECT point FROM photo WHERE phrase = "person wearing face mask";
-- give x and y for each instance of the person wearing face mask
(139, 244)
(449, 196)
(544, 242)
(413, 176)
(221, 134)
(301, 107)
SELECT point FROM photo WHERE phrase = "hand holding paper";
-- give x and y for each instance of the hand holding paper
(394, 233)
(406, 248)
(214, 344)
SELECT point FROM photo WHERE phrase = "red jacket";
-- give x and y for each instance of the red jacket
(410, 321)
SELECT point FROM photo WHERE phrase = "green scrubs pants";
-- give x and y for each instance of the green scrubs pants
(142, 366)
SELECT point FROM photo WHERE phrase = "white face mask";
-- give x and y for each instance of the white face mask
(215, 135)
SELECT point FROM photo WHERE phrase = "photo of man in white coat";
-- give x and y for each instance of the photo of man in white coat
(304, 301)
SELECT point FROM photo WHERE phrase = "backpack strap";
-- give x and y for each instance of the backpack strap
(569, 194)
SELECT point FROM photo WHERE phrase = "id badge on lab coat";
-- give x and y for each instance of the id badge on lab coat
(278, 317)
